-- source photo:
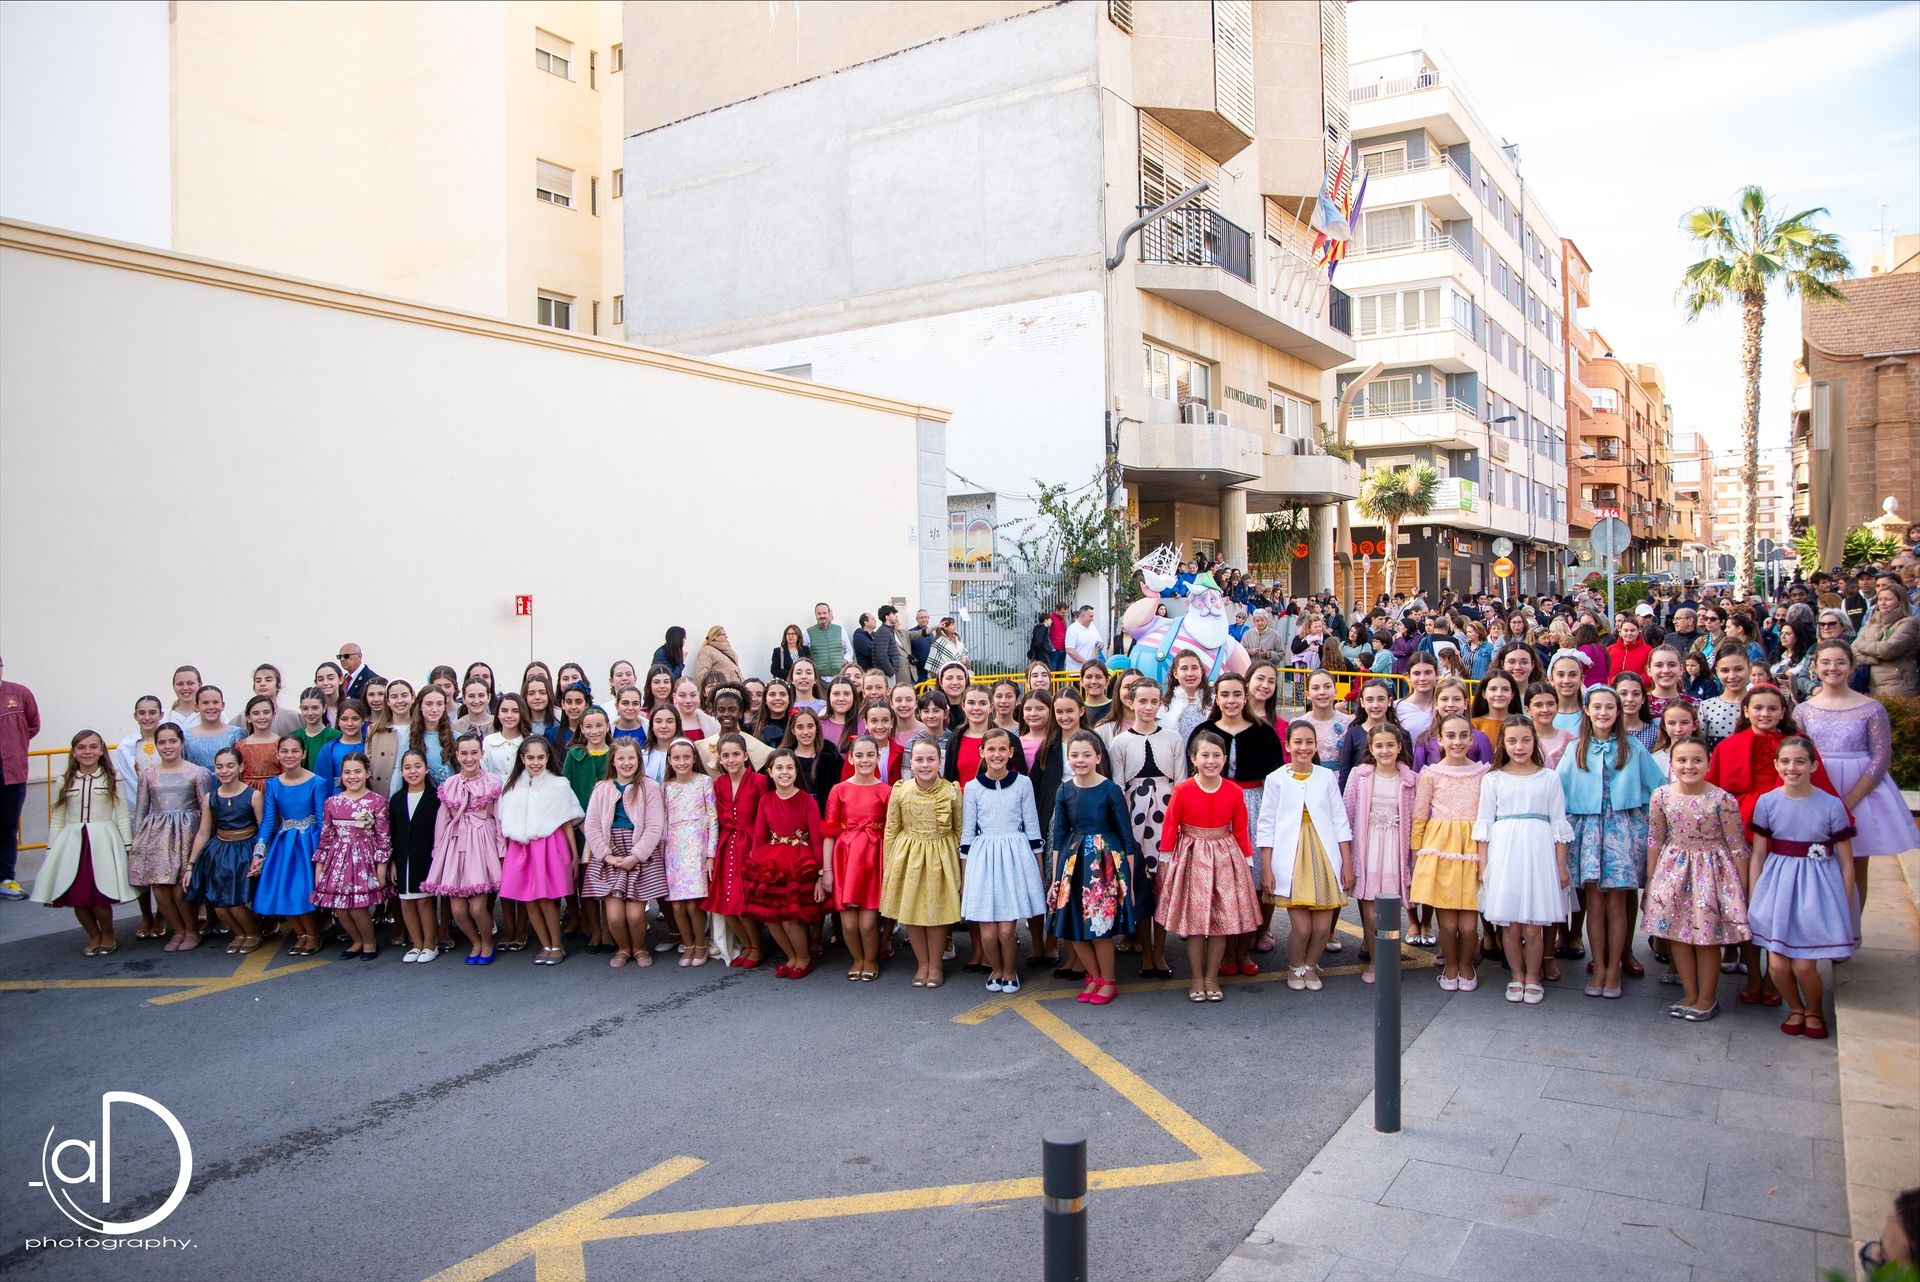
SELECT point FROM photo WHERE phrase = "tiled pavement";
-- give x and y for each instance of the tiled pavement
(1578, 1139)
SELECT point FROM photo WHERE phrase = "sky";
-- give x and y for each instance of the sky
(1628, 115)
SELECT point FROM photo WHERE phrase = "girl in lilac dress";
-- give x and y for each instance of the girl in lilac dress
(355, 851)
(166, 820)
(1802, 906)
(1855, 739)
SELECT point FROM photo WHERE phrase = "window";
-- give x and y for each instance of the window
(593, 66)
(593, 196)
(1387, 228)
(1389, 395)
(617, 60)
(1291, 415)
(1174, 377)
(596, 316)
(1384, 160)
(552, 54)
(553, 184)
(619, 304)
(619, 183)
(554, 311)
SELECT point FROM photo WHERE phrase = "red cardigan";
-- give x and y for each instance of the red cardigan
(1742, 763)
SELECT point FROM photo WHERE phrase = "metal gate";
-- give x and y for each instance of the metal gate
(996, 615)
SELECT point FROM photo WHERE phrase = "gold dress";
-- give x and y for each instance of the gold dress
(921, 884)
(1315, 884)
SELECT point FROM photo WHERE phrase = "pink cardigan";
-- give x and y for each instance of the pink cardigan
(1359, 799)
(646, 807)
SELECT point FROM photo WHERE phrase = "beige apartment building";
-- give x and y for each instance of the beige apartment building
(462, 154)
(927, 196)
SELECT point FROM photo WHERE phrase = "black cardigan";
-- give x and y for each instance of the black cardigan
(1051, 772)
(412, 838)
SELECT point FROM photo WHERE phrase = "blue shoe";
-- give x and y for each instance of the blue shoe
(473, 961)
(484, 961)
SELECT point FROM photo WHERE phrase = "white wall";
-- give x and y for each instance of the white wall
(1024, 381)
(964, 172)
(85, 137)
(196, 473)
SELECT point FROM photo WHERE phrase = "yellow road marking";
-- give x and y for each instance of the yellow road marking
(556, 1244)
(253, 968)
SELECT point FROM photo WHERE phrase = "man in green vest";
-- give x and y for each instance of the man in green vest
(828, 644)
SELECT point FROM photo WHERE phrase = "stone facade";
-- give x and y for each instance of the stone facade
(1871, 348)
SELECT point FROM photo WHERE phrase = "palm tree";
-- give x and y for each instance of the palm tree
(1390, 495)
(1749, 251)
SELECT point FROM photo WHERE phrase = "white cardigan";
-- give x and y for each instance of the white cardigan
(1283, 800)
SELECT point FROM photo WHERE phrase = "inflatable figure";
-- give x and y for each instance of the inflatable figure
(1202, 630)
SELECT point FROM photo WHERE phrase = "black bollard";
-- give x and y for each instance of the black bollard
(1386, 1016)
(1063, 1202)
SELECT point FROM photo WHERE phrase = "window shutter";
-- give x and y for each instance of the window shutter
(1121, 14)
(555, 179)
(1233, 62)
(1169, 164)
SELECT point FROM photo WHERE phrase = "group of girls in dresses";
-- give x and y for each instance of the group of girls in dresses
(1507, 816)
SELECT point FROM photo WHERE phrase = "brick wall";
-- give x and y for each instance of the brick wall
(1883, 433)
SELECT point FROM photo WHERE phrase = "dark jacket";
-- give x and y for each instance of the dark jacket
(887, 653)
(920, 643)
(782, 665)
(1040, 644)
(660, 659)
(357, 688)
(412, 838)
(862, 647)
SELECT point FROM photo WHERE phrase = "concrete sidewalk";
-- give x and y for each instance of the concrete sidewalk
(1579, 1139)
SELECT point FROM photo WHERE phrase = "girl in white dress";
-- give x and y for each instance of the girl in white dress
(1522, 833)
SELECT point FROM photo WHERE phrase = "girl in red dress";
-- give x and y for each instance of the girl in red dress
(784, 879)
(1743, 764)
(856, 816)
(737, 794)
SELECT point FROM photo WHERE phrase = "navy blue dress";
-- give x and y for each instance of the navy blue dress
(1093, 871)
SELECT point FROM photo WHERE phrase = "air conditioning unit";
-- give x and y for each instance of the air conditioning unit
(1220, 419)
(1194, 412)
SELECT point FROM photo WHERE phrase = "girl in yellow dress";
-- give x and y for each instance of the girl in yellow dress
(1446, 867)
(1303, 818)
(921, 886)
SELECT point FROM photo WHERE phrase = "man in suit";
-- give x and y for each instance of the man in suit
(354, 664)
(920, 642)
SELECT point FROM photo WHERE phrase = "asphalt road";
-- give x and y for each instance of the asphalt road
(383, 1121)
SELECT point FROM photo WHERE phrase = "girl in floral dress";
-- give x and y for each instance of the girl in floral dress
(1696, 895)
(692, 829)
(856, 815)
(355, 851)
(166, 819)
(1092, 868)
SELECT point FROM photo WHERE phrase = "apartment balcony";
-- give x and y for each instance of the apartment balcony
(1442, 422)
(1435, 257)
(1193, 70)
(1579, 283)
(1203, 262)
(1579, 398)
(1197, 456)
(1434, 180)
(1422, 101)
(1580, 338)
(1300, 472)
(1447, 344)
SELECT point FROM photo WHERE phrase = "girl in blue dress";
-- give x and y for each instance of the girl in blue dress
(230, 819)
(284, 850)
(1609, 781)
(999, 837)
(1092, 894)
(1802, 904)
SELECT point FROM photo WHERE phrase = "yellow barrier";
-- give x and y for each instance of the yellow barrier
(47, 783)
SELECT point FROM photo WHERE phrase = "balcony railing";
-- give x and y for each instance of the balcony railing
(1386, 166)
(1430, 405)
(1198, 238)
(1391, 88)
(1438, 323)
(1340, 310)
(1420, 244)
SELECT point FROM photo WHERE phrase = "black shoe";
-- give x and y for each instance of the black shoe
(976, 968)
(1068, 972)
(1035, 963)
(349, 956)
(1365, 956)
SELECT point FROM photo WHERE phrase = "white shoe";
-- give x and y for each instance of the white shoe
(427, 955)
(1297, 978)
(1334, 945)
(1448, 983)
(413, 955)
(949, 954)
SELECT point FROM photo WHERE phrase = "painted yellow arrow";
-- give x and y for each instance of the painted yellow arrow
(253, 969)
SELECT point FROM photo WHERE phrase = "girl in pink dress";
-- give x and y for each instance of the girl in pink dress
(856, 816)
(1379, 799)
(354, 854)
(538, 811)
(466, 848)
(692, 829)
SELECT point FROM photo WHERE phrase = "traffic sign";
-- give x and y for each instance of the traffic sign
(1765, 549)
(1611, 538)
(1501, 547)
(1503, 568)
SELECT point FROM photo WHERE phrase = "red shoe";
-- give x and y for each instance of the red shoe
(1086, 991)
(1792, 1029)
(737, 962)
(782, 971)
(1749, 999)
(1229, 968)
(1105, 992)
(1770, 999)
(1815, 1034)
(1250, 968)
(800, 972)
(746, 962)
